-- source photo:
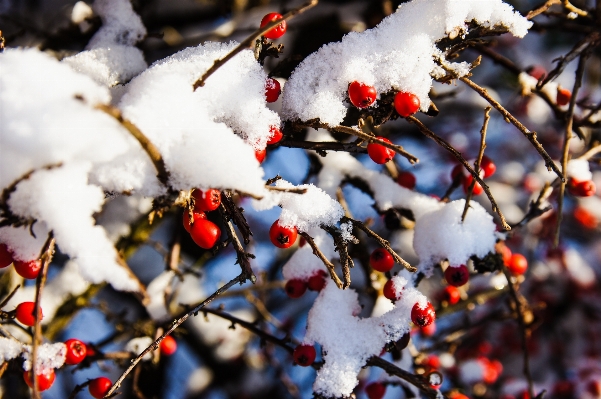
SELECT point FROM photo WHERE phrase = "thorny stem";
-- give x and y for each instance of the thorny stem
(45, 257)
(566, 142)
(384, 243)
(470, 191)
(440, 141)
(152, 151)
(250, 40)
(530, 135)
(176, 323)
(317, 252)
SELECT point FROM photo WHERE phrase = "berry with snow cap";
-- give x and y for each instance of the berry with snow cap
(29, 269)
(282, 237)
(273, 89)
(361, 95)
(45, 380)
(390, 291)
(276, 135)
(406, 104)
(423, 316)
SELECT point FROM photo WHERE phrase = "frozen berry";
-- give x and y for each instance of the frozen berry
(276, 32)
(406, 103)
(451, 295)
(205, 233)
(195, 216)
(304, 355)
(381, 260)
(488, 166)
(406, 179)
(273, 89)
(205, 201)
(24, 313)
(378, 153)
(295, 288)
(456, 275)
(99, 387)
(76, 351)
(389, 291)
(361, 95)
(317, 281)
(276, 135)
(563, 96)
(6, 257)
(375, 390)
(466, 185)
(282, 237)
(45, 380)
(585, 188)
(168, 346)
(260, 155)
(28, 270)
(421, 317)
(517, 264)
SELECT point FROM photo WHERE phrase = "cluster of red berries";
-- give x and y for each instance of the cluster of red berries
(487, 169)
(581, 188)
(295, 288)
(204, 232)
(26, 269)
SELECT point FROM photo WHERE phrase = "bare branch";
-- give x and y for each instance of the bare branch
(470, 191)
(317, 252)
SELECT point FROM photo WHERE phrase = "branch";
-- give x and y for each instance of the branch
(342, 248)
(321, 147)
(250, 40)
(428, 133)
(241, 255)
(152, 151)
(542, 8)
(317, 252)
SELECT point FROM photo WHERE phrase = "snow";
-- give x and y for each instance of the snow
(81, 11)
(303, 263)
(579, 169)
(9, 349)
(397, 54)
(49, 356)
(137, 346)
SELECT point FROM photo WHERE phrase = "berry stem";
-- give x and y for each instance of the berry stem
(317, 252)
(250, 40)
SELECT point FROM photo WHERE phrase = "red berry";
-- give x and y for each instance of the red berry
(585, 218)
(361, 95)
(428, 330)
(317, 281)
(517, 265)
(381, 260)
(295, 288)
(76, 351)
(488, 166)
(579, 188)
(390, 291)
(6, 257)
(378, 153)
(451, 295)
(276, 135)
(456, 275)
(536, 71)
(375, 390)
(278, 30)
(273, 89)
(99, 387)
(29, 270)
(205, 233)
(458, 172)
(260, 155)
(282, 237)
(25, 314)
(205, 201)
(477, 187)
(45, 380)
(304, 355)
(423, 316)
(195, 217)
(168, 346)
(406, 179)
(563, 96)
(406, 103)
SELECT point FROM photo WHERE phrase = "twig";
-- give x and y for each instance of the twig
(591, 153)
(459, 157)
(320, 147)
(45, 257)
(416, 380)
(292, 190)
(13, 292)
(176, 323)
(384, 243)
(566, 141)
(78, 389)
(470, 191)
(317, 252)
(152, 151)
(535, 210)
(250, 40)
(530, 135)
(346, 262)
(236, 214)
(241, 255)
(541, 9)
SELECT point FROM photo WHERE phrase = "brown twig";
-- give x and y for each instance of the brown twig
(292, 190)
(535, 210)
(470, 191)
(78, 389)
(566, 141)
(428, 133)
(317, 252)
(242, 257)
(542, 8)
(237, 216)
(341, 245)
(176, 323)
(250, 40)
(45, 257)
(321, 147)
(151, 150)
